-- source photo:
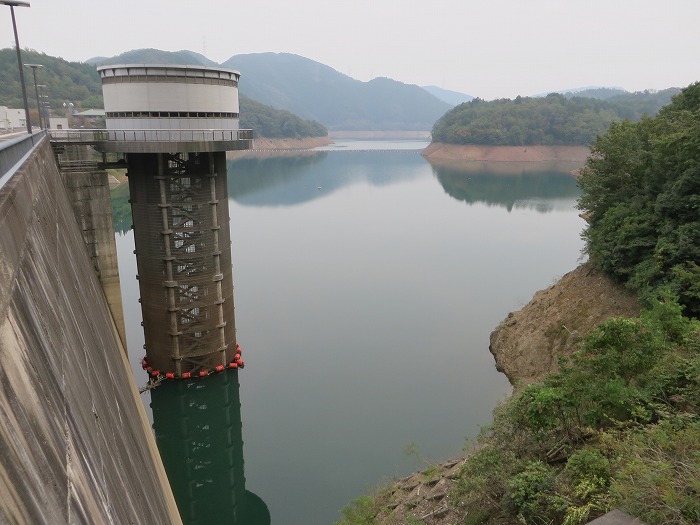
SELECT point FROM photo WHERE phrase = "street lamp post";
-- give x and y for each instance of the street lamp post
(45, 110)
(36, 91)
(12, 4)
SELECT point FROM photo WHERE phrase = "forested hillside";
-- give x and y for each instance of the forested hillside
(552, 120)
(641, 197)
(631, 106)
(266, 121)
(70, 82)
(155, 56)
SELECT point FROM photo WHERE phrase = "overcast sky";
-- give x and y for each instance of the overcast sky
(485, 48)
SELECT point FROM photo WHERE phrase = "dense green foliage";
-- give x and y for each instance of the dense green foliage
(267, 121)
(318, 92)
(634, 106)
(65, 81)
(575, 445)
(641, 195)
(552, 120)
(601, 93)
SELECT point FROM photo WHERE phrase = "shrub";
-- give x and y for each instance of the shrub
(531, 494)
(658, 473)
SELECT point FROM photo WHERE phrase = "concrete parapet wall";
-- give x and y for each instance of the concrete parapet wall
(75, 445)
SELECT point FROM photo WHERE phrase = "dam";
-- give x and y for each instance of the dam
(75, 442)
(76, 445)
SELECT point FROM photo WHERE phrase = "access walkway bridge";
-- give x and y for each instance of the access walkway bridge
(156, 140)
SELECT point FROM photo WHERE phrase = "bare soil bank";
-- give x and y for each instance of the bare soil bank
(264, 147)
(527, 343)
(380, 135)
(437, 151)
(263, 143)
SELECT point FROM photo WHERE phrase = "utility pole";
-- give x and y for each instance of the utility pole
(36, 90)
(12, 4)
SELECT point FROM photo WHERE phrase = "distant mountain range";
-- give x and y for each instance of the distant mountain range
(291, 83)
(315, 91)
(154, 56)
(319, 92)
(453, 98)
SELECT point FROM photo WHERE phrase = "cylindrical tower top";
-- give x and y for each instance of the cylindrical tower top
(171, 103)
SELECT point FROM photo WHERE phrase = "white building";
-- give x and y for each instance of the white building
(58, 123)
(12, 118)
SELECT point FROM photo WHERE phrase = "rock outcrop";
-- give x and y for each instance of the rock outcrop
(526, 344)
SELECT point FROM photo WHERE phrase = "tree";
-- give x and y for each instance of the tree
(641, 197)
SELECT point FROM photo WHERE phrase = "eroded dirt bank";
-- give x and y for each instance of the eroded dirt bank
(265, 147)
(454, 152)
(526, 344)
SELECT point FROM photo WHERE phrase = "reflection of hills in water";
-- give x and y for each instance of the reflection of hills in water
(121, 209)
(541, 191)
(286, 181)
(198, 429)
(292, 180)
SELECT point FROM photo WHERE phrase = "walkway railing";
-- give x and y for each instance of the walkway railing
(13, 151)
(149, 135)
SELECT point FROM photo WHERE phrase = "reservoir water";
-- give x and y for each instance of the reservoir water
(367, 283)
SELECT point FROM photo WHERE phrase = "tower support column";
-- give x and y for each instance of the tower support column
(180, 210)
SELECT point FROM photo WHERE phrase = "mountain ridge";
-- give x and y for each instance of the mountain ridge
(313, 90)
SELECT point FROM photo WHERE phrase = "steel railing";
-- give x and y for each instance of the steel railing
(13, 151)
(149, 135)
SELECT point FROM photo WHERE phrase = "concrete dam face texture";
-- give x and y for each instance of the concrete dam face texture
(179, 204)
(75, 446)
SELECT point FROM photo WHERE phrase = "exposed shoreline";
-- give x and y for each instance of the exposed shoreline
(267, 147)
(527, 343)
(379, 135)
(438, 151)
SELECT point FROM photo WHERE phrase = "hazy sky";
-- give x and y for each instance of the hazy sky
(485, 48)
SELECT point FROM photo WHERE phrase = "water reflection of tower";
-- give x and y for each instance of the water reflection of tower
(199, 434)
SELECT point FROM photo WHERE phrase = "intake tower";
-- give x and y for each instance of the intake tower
(174, 124)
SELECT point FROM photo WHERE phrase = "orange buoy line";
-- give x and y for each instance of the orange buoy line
(155, 373)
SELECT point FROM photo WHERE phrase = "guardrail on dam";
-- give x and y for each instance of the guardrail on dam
(75, 444)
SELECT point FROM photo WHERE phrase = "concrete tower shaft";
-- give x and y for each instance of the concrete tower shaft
(181, 230)
(175, 123)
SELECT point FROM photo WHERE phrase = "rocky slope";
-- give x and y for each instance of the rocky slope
(264, 147)
(423, 496)
(526, 344)
(263, 143)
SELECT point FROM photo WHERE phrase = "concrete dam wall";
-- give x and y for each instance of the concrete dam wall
(75, 444)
